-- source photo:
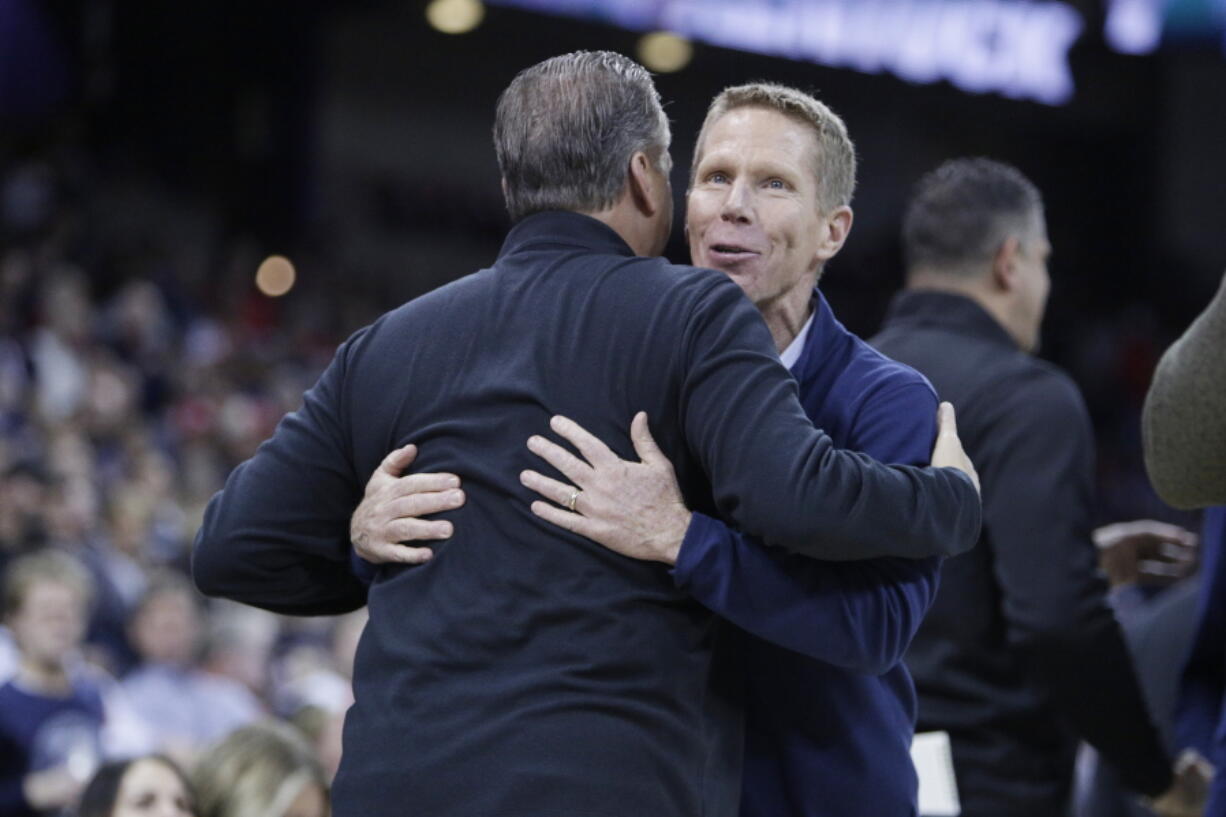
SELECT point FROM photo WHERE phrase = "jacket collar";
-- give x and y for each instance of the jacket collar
(825, 334)
(560, 228)
(946, 310)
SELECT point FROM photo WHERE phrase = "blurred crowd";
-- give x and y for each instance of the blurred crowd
(131, 382)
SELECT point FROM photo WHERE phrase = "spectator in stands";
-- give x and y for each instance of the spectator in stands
(149, 786)
(263, 770)
(50, 718)
(185, 707)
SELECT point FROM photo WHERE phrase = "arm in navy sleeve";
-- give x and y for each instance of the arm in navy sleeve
(277, 535)
(774, 474)
(860, 616)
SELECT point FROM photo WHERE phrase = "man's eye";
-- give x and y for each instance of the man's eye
(777, 184)
(717, 178)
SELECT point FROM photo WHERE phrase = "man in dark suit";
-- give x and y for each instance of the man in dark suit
(1020, 654)
(524, 670)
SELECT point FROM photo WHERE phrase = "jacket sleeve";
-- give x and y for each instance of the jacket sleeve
(1054, 599)
(859, 616)
(277, 535)
(776, 476)
(1184, 420)
(1199, 710)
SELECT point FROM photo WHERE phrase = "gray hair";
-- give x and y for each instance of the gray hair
(566, 129)
(835, 159)
(961, 213)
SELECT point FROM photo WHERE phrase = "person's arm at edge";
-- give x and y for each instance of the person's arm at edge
(1199, 707)
(860, 616)
(1184, 419)
(277, 535)
(743, 422)
(1054, 600)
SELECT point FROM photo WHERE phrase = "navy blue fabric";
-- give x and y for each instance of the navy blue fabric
(830, 709)
(525, 670)
(39, 732)
(1200, 719)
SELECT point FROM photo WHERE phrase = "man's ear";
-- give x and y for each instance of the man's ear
(838, 227)
(643, 181)
(1004, 264)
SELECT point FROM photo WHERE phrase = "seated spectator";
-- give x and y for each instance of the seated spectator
(263, 770)
(138, 787)
(50, 718)
(185, 707)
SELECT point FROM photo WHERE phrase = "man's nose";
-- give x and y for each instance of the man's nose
(737, 204)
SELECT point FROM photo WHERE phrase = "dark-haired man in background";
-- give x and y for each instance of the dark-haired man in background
(524, 670)
(1020, 643)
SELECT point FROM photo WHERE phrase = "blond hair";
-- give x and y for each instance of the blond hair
(835, 157)
(256, 771)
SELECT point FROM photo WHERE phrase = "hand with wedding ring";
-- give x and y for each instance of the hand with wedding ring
(390, 512)
(633, 508)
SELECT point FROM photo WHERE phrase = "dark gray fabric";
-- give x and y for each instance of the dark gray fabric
(1184, 421)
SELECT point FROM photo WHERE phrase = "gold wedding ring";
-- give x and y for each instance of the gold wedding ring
(570, 503)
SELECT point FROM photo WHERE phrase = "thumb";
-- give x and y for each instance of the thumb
(400, 459)
(644, 444)
(947, 421)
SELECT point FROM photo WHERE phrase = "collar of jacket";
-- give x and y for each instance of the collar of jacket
(946, 310)
(564, 229)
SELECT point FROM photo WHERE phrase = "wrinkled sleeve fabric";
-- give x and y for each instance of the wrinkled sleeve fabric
(1184, 420)
(772, 473)
(277, 535)
(1038, 500)
(859, 616)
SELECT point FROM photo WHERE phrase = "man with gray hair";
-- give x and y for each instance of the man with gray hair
(523, 670)
(1020, 644)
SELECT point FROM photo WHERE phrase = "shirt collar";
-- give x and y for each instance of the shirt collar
(561, 228)
(947, 310)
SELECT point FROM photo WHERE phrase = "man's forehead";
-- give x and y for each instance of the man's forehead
(753, 108)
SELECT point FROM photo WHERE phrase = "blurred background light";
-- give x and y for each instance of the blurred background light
(455, 16)
(276, 276)
(665, 52)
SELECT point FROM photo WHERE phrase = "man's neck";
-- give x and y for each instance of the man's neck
(786, 317)
(994, 306)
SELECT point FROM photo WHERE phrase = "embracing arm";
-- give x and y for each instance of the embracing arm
(277, 535)
(1184, 421)
(860, 616)
(774, 474)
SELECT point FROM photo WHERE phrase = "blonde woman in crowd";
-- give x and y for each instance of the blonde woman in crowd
(263, 770)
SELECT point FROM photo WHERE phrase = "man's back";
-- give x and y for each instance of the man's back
(1019, 644)
(523, 667)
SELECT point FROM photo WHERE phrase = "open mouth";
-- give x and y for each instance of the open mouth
(731, 251)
